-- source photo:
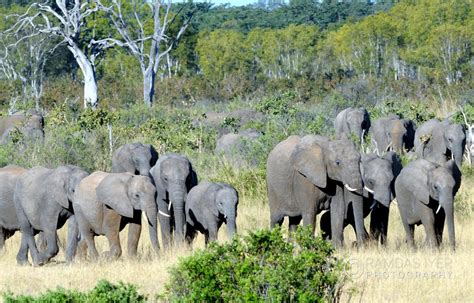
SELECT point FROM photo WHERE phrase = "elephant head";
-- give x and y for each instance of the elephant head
(174, 177)
(454, 140)
(226, 199)
(379, 174)
(358, 122)
(401, 134)
(136, 158)
(440, 184)
(320, 160)
(125, 193)
(67, 177)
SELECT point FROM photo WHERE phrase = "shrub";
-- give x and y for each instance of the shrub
(103, 292)
(262, 266)
(281, 104)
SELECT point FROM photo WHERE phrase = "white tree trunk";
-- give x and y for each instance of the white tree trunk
(148, 86)
(88, 71)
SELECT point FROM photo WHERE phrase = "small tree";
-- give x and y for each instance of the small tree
(142, 28)
(64, 19)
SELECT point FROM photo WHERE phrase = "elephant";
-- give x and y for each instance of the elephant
(174, 177)
(135, 158)
(105, 202)
(30, 124)
(235, 146)
(438, 141)
(305, 174)
(352, 122)
(425, 195)
(219, 120)
(8, 219)
(379, 175)
(393, 133)
(43, 202)
(209, 205)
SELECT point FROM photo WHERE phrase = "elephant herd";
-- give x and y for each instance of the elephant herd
(311, 174)
(41, 200)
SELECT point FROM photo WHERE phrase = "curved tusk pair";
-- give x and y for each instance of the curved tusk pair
(349, 188)
(368, 189)
(439, 207)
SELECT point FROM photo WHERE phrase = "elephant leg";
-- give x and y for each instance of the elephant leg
(2, 238)
(293, 223)
(90, 244)
(190, 234)
(72, 238)
(81, 249)
(379, 224)
(276, 220)
(309, 218)
(134, 231)
(22, 256)
(337, 211)
(213, 230)
(52, 248)
(429, 226)
(41, 242)
(325, 225)
(112, 228)
(165, 226)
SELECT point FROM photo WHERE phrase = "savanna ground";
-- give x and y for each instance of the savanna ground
(389, 274)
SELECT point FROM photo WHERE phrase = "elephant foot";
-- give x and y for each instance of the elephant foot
(111, 256)
(22, 262)
(41, 260)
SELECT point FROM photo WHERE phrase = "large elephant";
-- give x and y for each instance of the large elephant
(43, 202)
(378, 174)
(352, 122)
(105, 202)
(8, 219)
(207, 207)
(438, 141)
(305, 174)
(393, 133)
(30, 124)
(135, 158)
(425, 195)
(174, 177)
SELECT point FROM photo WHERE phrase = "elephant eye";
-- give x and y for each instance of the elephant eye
(338, 162)
(137, 195)
(371, 182)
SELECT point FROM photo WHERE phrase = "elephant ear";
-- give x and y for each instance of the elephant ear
(192, 179)
(59, 187)
(155, 173)
(396, 162)
(456, 173)
(211, 194)
(113, 192)
(417, 183)
(308, 160)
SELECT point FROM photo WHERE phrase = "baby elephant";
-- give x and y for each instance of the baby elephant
(207, 207)
(425, 193)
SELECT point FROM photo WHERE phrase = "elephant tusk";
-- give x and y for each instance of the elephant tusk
(368, 189)
(395, 202)
(439, 207)
(373, 205)
(163, 214)
(349, 188)
(169, 206)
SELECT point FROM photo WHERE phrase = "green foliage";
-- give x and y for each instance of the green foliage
(281, 104)
(91, 119)
(103, 292)
(262, 266)
(419, 112)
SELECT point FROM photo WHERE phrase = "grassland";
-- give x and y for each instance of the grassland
(389, 274)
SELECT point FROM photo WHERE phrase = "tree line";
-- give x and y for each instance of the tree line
(191, 50)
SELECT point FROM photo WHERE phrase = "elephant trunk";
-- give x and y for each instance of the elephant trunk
(177, 198)
(151, 213)
(231, 225)
(397, 142)
(457, 155)
(354, 182)
(383, 195)
(448, 210)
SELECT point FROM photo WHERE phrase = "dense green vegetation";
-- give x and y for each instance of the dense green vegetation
(103, 292)
(260, 267)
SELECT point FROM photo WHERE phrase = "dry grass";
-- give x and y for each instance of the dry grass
(392, 274)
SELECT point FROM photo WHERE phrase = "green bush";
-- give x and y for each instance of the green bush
(282, 104)
(103, 292)
(262, 266)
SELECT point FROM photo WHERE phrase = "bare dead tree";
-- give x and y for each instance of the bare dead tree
(24, 60)
(65, 21)
(147, 47)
